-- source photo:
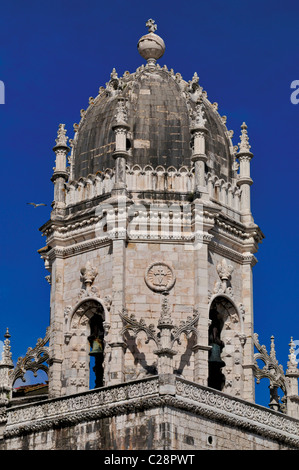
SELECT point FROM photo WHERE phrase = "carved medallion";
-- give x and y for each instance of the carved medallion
(159, 277)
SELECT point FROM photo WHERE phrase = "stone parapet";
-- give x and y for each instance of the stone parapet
(168, 393)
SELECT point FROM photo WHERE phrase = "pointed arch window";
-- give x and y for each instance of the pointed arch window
(96, 341)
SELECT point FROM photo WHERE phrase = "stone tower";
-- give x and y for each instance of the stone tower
(150, 248)
(151, 232)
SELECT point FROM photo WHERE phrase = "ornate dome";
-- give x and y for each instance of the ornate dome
(160, 109)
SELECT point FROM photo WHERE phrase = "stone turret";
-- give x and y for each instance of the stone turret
(60, 174)
(152, 173)
(245, 180)
(121, 128)
(6, 366)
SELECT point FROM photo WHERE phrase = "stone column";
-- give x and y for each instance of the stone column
(120, 154)
(118, 211)
(56, 342)
(292, 375)
(6, 365)
(165, 352)
(245, 181)
(117, 345)
(248, 351)
(202, 224)
(198, 132)
(60, 175)
(201, 301)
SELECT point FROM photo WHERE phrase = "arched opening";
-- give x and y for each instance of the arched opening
(86, 369)
(226, 341)
(216, 378)
(96, 341)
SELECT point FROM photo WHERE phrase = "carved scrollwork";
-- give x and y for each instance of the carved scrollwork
(132, 324)
(187, 327)
(35, 359)
(271, 370)
(167, 335)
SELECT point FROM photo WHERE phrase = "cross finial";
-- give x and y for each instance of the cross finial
(152, 27)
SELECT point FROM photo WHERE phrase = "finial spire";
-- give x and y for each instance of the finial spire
(61, 136)
(292, 363)
(272, 349)
(244, 143)
(6, 353)
(151, 47)
(7, 334)
(60, 175)
(244, 180)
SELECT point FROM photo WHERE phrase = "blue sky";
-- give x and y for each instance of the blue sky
(54, 55)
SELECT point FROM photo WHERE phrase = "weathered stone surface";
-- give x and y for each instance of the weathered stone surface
(156, 413)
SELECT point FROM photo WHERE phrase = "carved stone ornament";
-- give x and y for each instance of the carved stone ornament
(159, 277)
(199, 120)
(61, 136)
(273, 371)
(164, 342)
(148, 393)
(88, 274)
(224, 271)
(35, 359)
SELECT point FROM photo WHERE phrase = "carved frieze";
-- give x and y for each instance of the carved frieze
(145, 394)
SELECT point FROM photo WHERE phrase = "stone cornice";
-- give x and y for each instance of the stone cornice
(246, 258)
(245, 238)
(84, 231)
(65, 252)
(149, 393)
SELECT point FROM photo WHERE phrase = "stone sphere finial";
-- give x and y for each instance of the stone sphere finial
(151, 47)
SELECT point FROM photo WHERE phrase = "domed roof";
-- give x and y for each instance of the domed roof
(160, 108)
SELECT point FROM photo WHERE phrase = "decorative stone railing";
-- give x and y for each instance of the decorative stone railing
(236, 412)
(90, 405)
(160, 179)
(152, 392)
(87, 188)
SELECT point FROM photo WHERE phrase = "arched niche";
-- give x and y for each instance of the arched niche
(226, 338)
(86, 346)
